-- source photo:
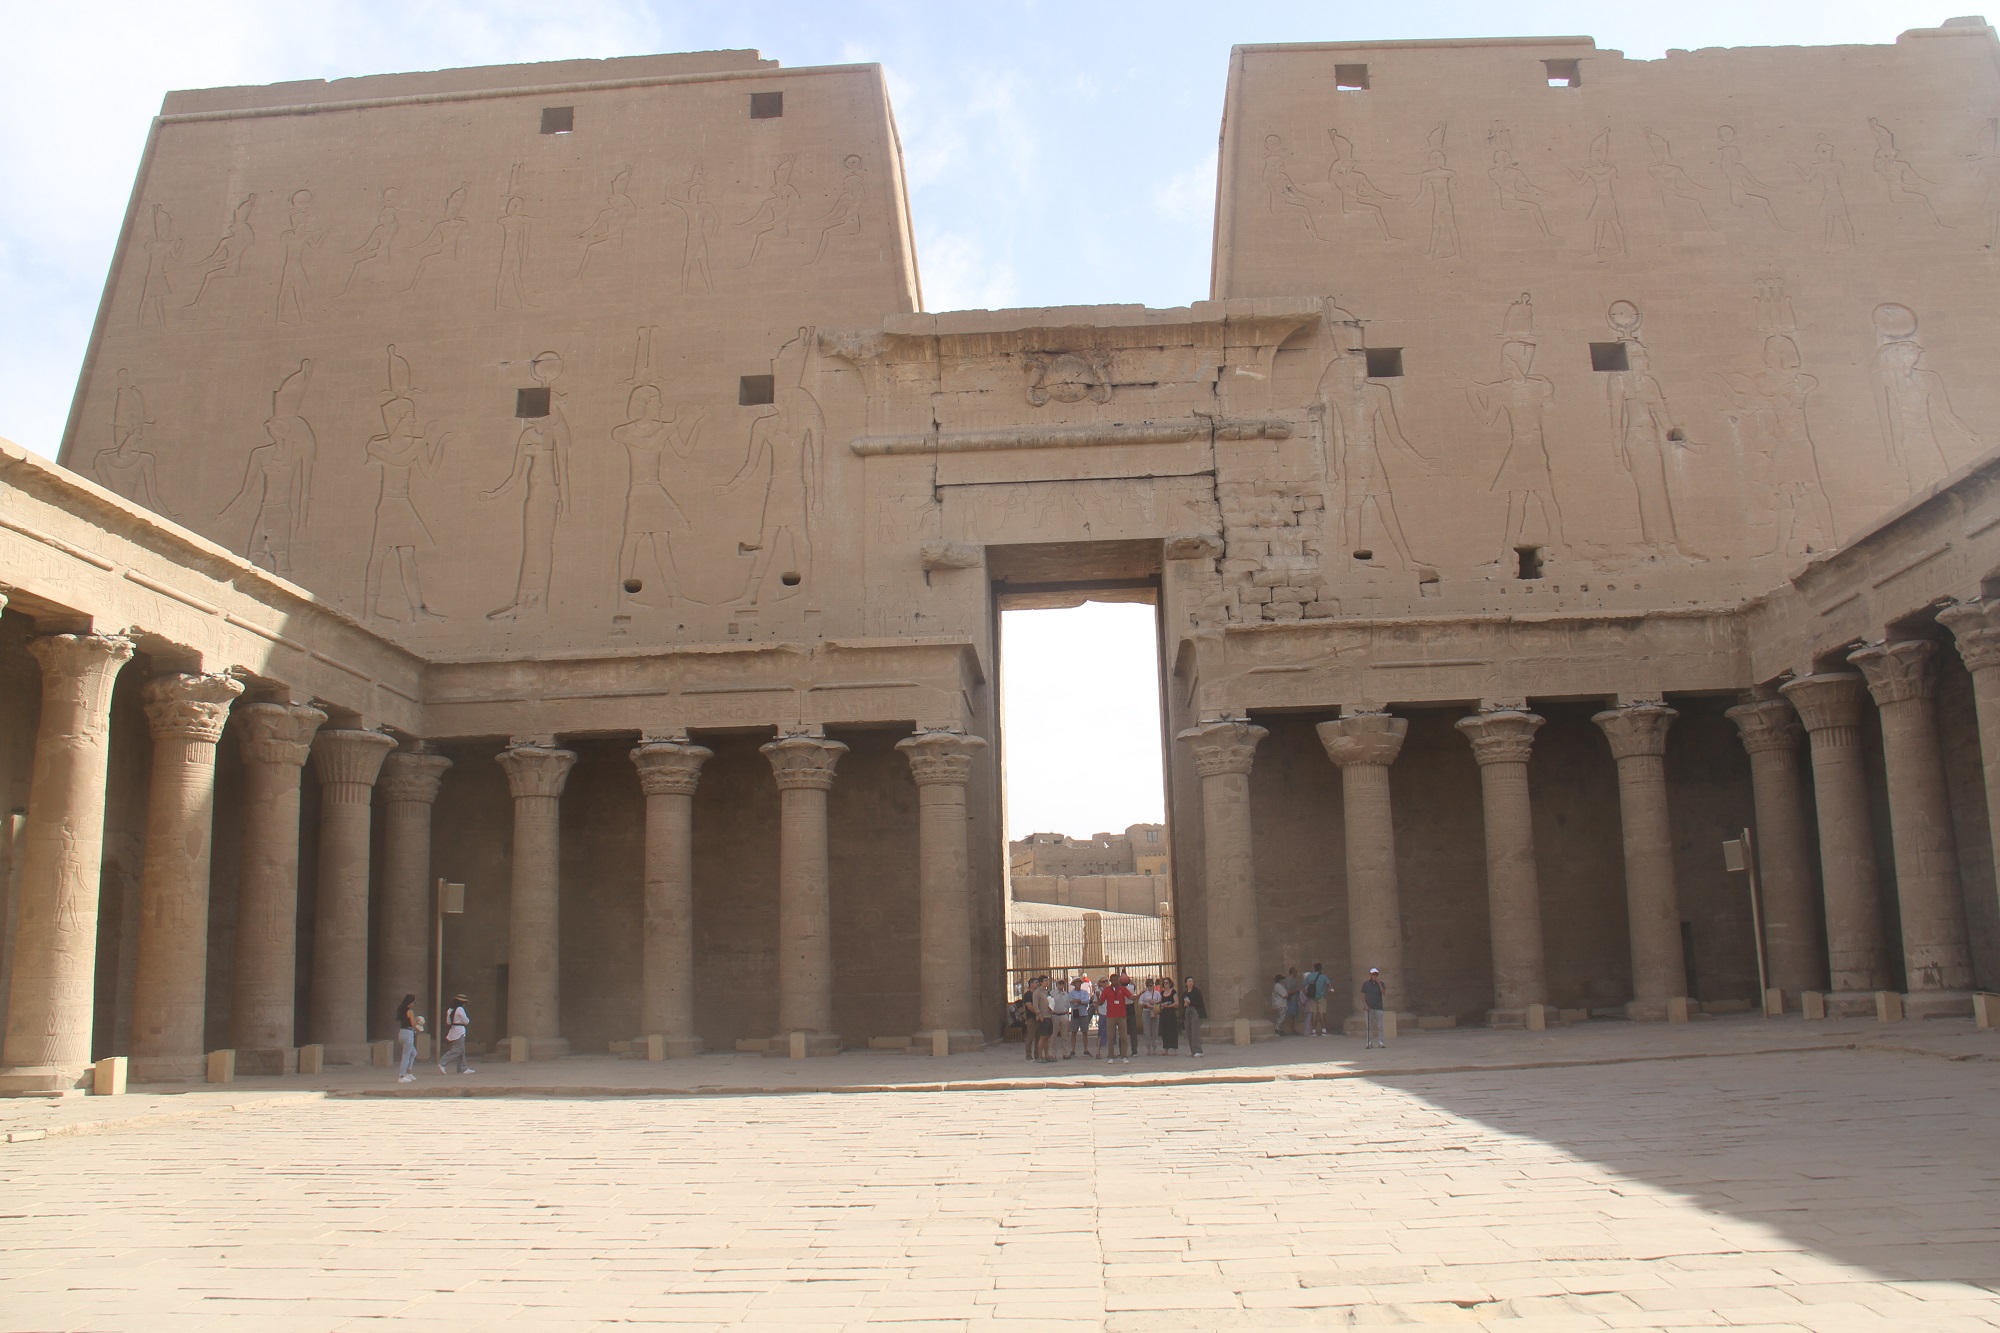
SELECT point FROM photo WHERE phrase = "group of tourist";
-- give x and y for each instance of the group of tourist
(1110, 1020)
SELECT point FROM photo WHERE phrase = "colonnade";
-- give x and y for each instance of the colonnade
(1827, 707)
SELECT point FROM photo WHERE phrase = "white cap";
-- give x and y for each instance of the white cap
(1374, 971)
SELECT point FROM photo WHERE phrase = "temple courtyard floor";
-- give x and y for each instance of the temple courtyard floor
(1736, 1172)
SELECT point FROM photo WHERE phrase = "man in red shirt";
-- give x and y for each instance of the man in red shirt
(1115, 1001)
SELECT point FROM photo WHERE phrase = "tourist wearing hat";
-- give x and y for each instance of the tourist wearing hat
(455, 1024)
(1372, 996)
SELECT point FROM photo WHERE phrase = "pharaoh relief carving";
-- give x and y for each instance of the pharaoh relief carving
(606, 231)
(1068, 377)
(659, 449)
(301, 237)
(226, 259)
(1680, 193)
(701, 222)
(442, 241)
(1518, 401)
(843, 216)
(1607, 231)
(1349, 186)
(163, 247)
(541, 472)
(1774, 435)
(510, 290)
(1924, 436)
(278, 478)
(786, 461)
(1512, 189)
(378, 247)
(1833, 228)
(1360, 435)
(127, 468)
(1983, 164)
(400, 540)
(1740, 185)
(1434, 198)
(772, 220)
(1651, 447)
(1284, 197)
(1905, 187)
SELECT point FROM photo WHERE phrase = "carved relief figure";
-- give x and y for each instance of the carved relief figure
(162, 249)
(1281, 192)
(125, 468)
(1068, 377)
(1434, 189)
(1352, 187)
(653, 517)
(1357, 418)
(843, 218)
(300, 238)
(1773, 431)
(541, 465)
(1898, 176)
(511, 291)
(401, 536)
(1984, 163)
(701, 222)
(1516, 193)
(1741, 185)
(1822, 177)
(1910, 402)
(1607, 233)
(787, 454)
(226, 259)
(379, 245)
(1648, 439)
(608, 227)
(278, 477)
(443, 239)
(1520, 398)
(773, 218)
(1673, 180)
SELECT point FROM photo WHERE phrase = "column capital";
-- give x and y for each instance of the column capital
(669, 768)
(1827, 699)
(411, 775)
(278, 733)
(535, 770)
(1636, 729)
(1765, 724)
(941, 758)
(1501, 736)
(189, 707)
(1899, 671)
(1976, 626)
(1223, 747)
(1363, 738)
(76, 666)
(349, 755)
(803, 763)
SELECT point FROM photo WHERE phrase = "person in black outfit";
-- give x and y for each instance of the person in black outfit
(1194, 1013)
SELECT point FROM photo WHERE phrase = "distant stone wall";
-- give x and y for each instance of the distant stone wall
(1137, 894)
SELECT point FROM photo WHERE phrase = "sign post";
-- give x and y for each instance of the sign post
(1741, 854)
(450, 900)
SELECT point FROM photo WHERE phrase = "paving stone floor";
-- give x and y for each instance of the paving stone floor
(1824, 1190)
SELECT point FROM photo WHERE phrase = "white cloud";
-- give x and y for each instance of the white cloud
(1188, 196)
(959, 275)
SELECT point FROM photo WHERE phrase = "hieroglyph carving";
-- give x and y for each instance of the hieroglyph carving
(510, 289)
(1351, 188)
(607, 229)
(1773, 434)
(1434, 194)
(442, 241)
(226, 259)
(1898, 177)
(1511, 186)
(401, 537)
(162, 249)
(1911, 403)
(1741, 186)
(541, 466)
(1607, 232)
(1984, 164)
(126, 468)
(1650, 445)
(1283, 194)
(1068, 377)
(843, 215)
(787, 454)
(1357, 419)
(1520, 398)
(278, 478)
(379, 245)
(1834, 226)
(302, 236)
(653, 516)
(702, 221)
(1674, 182)
(772, 221)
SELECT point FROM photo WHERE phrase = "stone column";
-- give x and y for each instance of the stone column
(803, 766)
(1976, 625)
(170, 986)
(1638, 736)
(1223, 753)
(50, 995)
(408, 788)
(1364, 745)
(1937, 955)
(346, 762)
(1794, 958)
(1829, 704)
(941, 763)
(668, 774)
(535, 775)
(1501, 742)
(276, 740)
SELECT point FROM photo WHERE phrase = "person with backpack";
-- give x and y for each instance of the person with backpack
(1317, 984)
(456, 1024)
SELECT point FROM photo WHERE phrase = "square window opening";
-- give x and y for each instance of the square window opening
(1564, 73)
(1528, 562)
(1351, 78)
(756, 390)
(558, 119)
(766, 106)
(1385, 363)
(1609, 356)
(531, 403)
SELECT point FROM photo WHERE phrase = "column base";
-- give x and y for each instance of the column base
(956, 1041)
(347, 1053)
(655, 1046)
(1662, 1009)
(1519, 1020)
(267, 1060)
(1851, 1004)
(168, 1068)
(44, 1080)
(788, 1045)
(1938, 1004)
(539, 1048)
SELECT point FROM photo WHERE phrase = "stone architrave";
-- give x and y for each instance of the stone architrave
(1223, 753)
(1638, 736)
(277, 739)
(669, 772)
(1363, 745)
(1829, 703)
(535, 776)
(1796, 961)
(941, 763)
(347, 763)
(1976, 626)
(1502, 740)
(1937, 954)
(803, 767)
(407, 791)
(170, 983)
(51, 993)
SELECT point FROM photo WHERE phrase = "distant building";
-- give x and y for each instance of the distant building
(1112, 872)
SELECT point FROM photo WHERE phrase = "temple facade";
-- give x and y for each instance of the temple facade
(546, 478)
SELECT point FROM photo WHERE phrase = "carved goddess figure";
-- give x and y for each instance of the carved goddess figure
(226, 259)
(278, 476)
(1520, 398)
(1673, 180)
(379, 245)
(511, 291)
(1736, 178)
(1434, 187)
(608, 227)
(300, 238)
(773, 217)
(1822, 177)
(541, 465)
(1898, 176)
(1280, 191)
(444, 238)
(162, 248)
(1357, 418)
(1517, 194)
(1647, 438)
(125, 468)
(653, 518)
(787, 453)
(701, 222)
(1786, 461)
(1352, 187)
(1912, 406)
(844, 217)
(400, 536)
(1607, 233)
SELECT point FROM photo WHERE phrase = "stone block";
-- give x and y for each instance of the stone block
(753, 1045)
(382, 1054)
(656, 1047)
(802, 1045)
(517, 1050)
(1679, 1009)
(1888, 1007)
(1812, 1004)
(941, 1041)
(1774, 1003)
(424, 1046)
(1937, 1004)
(1391, 1029)
(621, 1047)
(1538, 1018)
(1985, 1010)
(222, 1066)
(107, 1076)
(1240, 1034)
(892, 1043)
(312, 1059)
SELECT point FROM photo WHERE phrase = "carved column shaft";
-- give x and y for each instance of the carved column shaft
(803, 767)
(1502, 741)
(1223, 753)
(408, 790)
(1829, 704)
(941, 762)
(1638, 736)
(50, 995)
(668, 774)
(170, 983)
(347, 763)
(1770, 733)
(535, 776)
(1937, 954)
(277, 739)
(1976, 625)
(1364, 745)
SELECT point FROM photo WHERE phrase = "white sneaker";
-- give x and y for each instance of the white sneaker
(407, 1078)
(468, 1071)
